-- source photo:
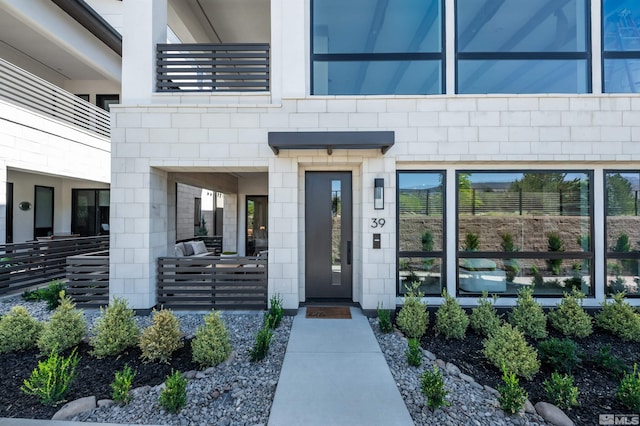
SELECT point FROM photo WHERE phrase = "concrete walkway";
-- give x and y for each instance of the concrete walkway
(334, 373)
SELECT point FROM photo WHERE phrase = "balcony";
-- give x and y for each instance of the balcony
(222, 68)
(26, 90)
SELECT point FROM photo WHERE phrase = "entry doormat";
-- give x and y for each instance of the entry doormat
(329, 312)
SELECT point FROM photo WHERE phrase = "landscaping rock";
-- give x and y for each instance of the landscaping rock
(74, 408)
(553, 414)
(529, 408)
(106, 403)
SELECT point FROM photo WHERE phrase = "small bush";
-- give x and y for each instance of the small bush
(432, 385)
(384, 320)
(561, 391)
(570, 318)
(560, 355)
(115, 330)
(554, 244)
(413, 352)
(484, 318)
(121, 385)
(413, 317)
(506, 347)
(65, 328)
(629, 390)
(162, 338)
(451, 319)
(49, 294)
(512, 396)
(19, 331)
(605, 359)
(261, 344)
(211, 344)
(619, 318)
(275, 313)
(51, 380)
(528, 315)
(174, 395)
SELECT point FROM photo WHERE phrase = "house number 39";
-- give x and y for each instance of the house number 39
(378, 222)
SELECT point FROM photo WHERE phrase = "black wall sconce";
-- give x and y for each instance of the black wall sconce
(378, 194)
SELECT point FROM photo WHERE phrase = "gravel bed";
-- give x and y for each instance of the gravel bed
(471, 403)
(237, 392)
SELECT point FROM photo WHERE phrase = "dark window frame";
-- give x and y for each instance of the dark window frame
(497, 56)
(74, 206)
(588, 255)
(103, 100)
(608, 254)
(9, 214)
(381, 57)
(439, 254)
(611, 54)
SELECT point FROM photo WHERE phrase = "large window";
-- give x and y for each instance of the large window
(421, 231)
(522, 229)
(623, 231)
(621, 45)
(370, 47)
(522, 46)
(90, 212)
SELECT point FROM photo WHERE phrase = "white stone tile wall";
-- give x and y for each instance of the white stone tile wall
(435, 132)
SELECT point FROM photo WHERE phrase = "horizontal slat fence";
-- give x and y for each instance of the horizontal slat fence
(212, 282)
(24, 265)
(25, 89)
(229, 67)
(88, 279)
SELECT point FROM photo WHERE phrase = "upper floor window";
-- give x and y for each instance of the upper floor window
(621, 45)
(373, 47)
(522, 46)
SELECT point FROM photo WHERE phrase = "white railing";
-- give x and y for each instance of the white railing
(25, 89)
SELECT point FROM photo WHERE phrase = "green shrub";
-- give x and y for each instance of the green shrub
(211, 344)
(560, 355)
(451, 319)
(65, 328)
(570, 318)
(115, 330)
(512, 396)
(275, 313)
(413, 317)
(51, 380)
(528, 315)
(554, 244)
(19, 331)
(49, 294)
(413, 352)
(432, 385)
(629, 390)
(561, 391)
(511, 266)
(484, 318)
(121, 385)
(605, 359)
(619, 318)
(174, 395)
(261, 344)
(507, 347)
(384, 320)
(162, 338)
(471, 242)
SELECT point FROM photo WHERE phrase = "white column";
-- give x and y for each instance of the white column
(3, 202)
(145, 25)
(230, 223)
(289, 48)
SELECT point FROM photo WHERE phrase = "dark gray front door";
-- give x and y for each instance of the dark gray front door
(328, 235)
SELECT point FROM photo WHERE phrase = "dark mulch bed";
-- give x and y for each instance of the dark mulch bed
(596, 385)
(93, 378)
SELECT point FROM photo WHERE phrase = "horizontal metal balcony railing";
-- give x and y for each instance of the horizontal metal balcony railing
(25, 89)
(212, 67)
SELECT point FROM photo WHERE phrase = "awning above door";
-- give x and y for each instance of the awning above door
(382, 140)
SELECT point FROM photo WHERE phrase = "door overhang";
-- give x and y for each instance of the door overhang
(382, 140)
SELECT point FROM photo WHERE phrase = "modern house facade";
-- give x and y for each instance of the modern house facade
(461, 145)
(59, 70)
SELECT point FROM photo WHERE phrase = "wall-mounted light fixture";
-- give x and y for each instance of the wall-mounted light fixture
(24, 205)
(378, 194)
